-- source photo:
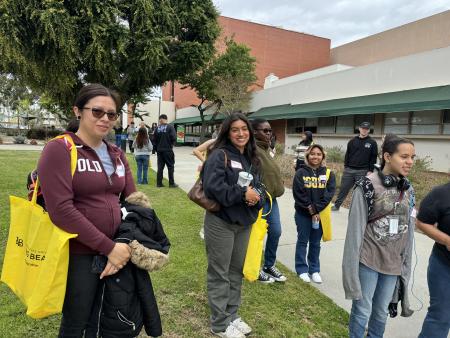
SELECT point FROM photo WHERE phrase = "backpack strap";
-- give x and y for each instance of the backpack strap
(369, 192)
(73, 162)
(73, 150)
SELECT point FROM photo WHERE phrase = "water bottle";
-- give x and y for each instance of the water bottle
(315, 224)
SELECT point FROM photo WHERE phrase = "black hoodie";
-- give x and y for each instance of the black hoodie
(311, 193)
(220, 184)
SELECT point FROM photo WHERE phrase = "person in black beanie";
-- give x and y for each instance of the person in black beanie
(360, 159)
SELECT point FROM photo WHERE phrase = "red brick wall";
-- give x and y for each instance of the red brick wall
(279, 129)
(276, 50)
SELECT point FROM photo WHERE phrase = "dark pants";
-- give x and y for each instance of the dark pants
(130, 144)
(165, 158)
(273, 233)
(307, 238)
(226, 247)
(349, 178)
(437, 321)
(82, 291)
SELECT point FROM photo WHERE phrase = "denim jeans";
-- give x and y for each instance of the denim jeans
(437, 321)
(142, 168)
(377, 291)
(273, 234)
(306, 234)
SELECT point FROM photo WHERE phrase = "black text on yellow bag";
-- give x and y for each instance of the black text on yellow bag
(37, 255)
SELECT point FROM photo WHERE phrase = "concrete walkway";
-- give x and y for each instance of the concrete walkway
(331, 253)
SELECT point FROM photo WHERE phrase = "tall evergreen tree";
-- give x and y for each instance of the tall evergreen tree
(56, 46)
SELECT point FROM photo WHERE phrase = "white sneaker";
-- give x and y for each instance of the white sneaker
(316, 278)
(230, 332)
(242, 326)
(304, 277)
(202, 233)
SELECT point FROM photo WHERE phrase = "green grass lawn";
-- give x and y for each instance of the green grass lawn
(293, 309)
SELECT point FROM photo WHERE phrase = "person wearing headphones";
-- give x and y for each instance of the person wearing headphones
(378, 246)
(434, 221)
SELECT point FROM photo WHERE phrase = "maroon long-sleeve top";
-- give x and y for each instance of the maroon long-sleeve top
(88, 203)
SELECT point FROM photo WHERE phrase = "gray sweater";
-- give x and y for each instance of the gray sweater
(357, 221)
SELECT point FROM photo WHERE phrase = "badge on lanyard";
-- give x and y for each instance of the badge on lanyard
(393, 224)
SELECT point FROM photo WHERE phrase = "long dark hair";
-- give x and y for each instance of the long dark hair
(390, 146)
(309, 139)
(142, 137)
(223, 138)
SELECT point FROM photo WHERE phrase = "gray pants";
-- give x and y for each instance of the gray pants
(226, 246)
(349, 178)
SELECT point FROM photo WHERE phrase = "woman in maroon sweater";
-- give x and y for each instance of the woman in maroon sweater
(88, 203)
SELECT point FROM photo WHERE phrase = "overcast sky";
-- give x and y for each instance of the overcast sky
(341, 21)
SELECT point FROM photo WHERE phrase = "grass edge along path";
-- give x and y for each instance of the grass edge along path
(293, 309)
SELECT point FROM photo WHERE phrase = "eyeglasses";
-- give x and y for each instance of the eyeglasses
(266, 130)
(98, 113)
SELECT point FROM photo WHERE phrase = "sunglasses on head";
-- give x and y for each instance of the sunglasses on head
(98, 113)
(266, 130)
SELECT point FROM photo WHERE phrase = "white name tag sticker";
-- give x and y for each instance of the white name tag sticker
(414, 213)
(236, 165)
(322, 178)
(120, 171)
(393, 225)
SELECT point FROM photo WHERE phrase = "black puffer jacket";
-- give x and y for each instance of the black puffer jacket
(128, 301)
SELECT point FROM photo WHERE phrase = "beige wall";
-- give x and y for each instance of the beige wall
(418, 36)
(422, 70)
(152, 107)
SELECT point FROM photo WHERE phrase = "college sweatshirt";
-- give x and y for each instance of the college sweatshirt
(361, 153)
(312, 191)
(87, 204)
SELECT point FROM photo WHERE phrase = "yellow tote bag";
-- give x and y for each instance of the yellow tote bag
(37, 256)
(325, 219)
(253, 257)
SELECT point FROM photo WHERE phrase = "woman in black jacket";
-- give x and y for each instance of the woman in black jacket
(313, 191)
(305, 143)
(227, 231)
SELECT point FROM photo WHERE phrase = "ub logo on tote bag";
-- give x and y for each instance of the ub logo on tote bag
(37, 254)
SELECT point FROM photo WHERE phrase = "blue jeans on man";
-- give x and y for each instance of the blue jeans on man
(377, 291)
(142, 162)
(437, 321)
(273, 233)
(306, 234)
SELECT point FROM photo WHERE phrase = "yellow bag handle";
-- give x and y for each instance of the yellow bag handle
(73, 162)
(270, 210)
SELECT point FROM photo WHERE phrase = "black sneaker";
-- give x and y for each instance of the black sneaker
(275, 274)
(265, 278)
(160, 185)
(173, 185)
(334, 208)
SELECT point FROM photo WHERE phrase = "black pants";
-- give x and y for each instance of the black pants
(83, 291)
(165, 158)
(130, 144)
(349, 178)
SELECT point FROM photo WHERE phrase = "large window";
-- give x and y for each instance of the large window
(345, 124)
(326, 125)
(311, 124)
(426, 122)
(295, 126)
(446, 121)
(396, 123)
